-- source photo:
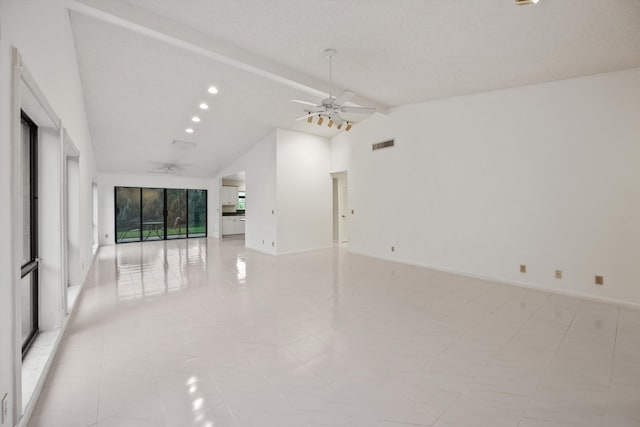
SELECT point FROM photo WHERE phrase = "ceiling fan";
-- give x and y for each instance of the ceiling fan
(332, 107)
(167, 169)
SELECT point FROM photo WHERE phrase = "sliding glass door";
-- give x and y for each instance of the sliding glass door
(128, 222)
(176, 214)
(152, 214)
(143, 214)
(197, 213)
(29, 270)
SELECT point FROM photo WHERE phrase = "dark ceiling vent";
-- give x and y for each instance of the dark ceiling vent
(381, 145)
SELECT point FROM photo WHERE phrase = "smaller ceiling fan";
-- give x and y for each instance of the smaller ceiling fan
(332, 107)
(167, 169)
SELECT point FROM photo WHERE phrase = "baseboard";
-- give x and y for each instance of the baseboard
(526, 285)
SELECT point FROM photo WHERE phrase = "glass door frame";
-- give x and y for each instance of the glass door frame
(165, 213)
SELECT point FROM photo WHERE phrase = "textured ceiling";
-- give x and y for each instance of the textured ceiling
(404, 51)
(141, 91)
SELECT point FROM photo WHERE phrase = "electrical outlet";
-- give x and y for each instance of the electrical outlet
(353, 211)
(106, 236)
(393, 248)
(558, 274)
(599, 280)
(523, 268)
(263, 241)
(273, 244)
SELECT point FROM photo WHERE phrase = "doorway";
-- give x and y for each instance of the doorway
(233, 198)
(340, 207)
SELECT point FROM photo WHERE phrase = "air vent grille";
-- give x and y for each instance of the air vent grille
(381, 145)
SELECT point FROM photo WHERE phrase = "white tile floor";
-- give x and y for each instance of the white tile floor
(205, 333)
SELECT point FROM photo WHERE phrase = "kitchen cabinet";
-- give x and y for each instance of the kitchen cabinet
(227, 225)
(229, 195)
(233, 225)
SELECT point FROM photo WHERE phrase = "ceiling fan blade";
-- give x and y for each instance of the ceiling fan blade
(345, 96)
(358, 110)
(304, 102)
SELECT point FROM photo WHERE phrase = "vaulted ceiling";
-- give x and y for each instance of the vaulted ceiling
(145, 65)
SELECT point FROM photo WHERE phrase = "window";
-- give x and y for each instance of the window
(29, 270)
(143, 214)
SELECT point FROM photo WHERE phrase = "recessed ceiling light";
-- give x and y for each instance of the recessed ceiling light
(213, 90)
(188, 130)
(204, 106)
(195, 119)
(525, 2)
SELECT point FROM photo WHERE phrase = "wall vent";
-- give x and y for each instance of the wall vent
(381, 145)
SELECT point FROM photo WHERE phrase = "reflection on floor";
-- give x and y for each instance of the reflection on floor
(205, 333)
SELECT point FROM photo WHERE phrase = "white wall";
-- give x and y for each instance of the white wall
(7, 259)
(289, 191)
(304, 192)
(50, 56)
(107, 182)
(545, 175)
(42, 33)
(259, 163)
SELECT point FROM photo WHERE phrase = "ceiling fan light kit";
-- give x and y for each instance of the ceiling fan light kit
(332, 107)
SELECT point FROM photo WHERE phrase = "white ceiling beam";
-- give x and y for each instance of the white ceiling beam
(159, 28)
